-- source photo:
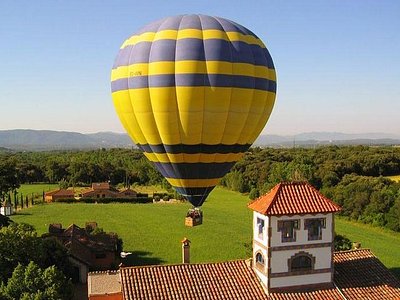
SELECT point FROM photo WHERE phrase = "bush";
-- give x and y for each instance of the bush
(342, 243)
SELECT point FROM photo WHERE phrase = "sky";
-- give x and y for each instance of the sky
(337, 62)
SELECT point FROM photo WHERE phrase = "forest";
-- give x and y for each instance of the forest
(352, 176)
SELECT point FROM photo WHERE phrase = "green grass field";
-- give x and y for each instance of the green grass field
(28, 189)
(153, 231)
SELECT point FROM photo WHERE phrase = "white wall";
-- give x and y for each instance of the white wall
(279, 259)
(301, 233)
(300, 280)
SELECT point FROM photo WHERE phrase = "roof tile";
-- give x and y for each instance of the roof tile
(289, 198)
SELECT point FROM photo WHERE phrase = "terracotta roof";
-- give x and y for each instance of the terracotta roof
(60, 192)
(106, 282)
(82, 245)
(360, 275)
(289, 198)
(100, 186)
(331, 293)
(225, 280)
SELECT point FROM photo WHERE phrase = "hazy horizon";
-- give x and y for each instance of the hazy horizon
(337, 62)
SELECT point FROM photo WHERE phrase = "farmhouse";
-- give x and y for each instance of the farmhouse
(87, 251)
(104, 190)
(58, 194)
(293, 258)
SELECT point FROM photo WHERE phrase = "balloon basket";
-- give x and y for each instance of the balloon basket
(194, 217)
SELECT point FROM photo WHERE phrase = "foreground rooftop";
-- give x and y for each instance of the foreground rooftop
(358, 275)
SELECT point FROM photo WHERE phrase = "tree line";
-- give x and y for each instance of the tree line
(352, 176)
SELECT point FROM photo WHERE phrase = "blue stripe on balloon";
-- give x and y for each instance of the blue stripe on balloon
(196, 196)
(194, 170)
(192, 80)
(194, 149)
(201, 22)
(193, 49)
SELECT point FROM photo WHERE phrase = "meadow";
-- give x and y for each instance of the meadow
(28, 189)
(153, 232)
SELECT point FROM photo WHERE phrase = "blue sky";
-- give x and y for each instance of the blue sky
(338, 62)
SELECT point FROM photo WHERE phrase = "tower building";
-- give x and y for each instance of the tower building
(293, 232)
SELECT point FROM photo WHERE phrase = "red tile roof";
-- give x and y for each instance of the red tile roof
(60, 192)
(289, 198)
(225, 280)
(100, 186)
(331, 293)
(360, 275)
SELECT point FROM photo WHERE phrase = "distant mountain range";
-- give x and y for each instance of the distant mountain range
(40, 140)
(27, 139)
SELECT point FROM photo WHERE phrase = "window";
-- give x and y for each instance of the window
(288, 230)
(301, 261)
(314, 227)
(260, 262)
(260, 226)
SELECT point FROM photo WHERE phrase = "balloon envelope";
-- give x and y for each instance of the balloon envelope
(193, 92)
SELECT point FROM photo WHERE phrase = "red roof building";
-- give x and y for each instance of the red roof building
(87, 252)
(288, 198)
(293, 232)
(58, 194)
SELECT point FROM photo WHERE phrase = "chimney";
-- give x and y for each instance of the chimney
(185, 251)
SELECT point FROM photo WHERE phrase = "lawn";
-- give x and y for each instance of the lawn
(153, 232)
(28, 189)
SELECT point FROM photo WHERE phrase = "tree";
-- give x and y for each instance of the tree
(4, 221)
(33, 283)
(8, 177)
(19, 244)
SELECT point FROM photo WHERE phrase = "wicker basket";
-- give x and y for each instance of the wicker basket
(190, 222)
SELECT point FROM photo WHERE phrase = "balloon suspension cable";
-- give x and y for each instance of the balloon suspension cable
(194, 212)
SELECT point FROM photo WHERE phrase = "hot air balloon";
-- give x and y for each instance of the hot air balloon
(193, 92)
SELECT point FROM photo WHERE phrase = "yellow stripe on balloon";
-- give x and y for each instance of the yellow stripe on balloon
(193, 183)
(193, 158)
(207, 34)
(192, 67)
(210, 106)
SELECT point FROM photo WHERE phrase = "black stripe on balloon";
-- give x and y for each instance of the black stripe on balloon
(212, 80)
(194, 170)
(196, 196)
(194, 149)
(194, 49)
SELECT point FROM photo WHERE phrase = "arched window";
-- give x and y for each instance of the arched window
(302, 261)
(260, 258)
